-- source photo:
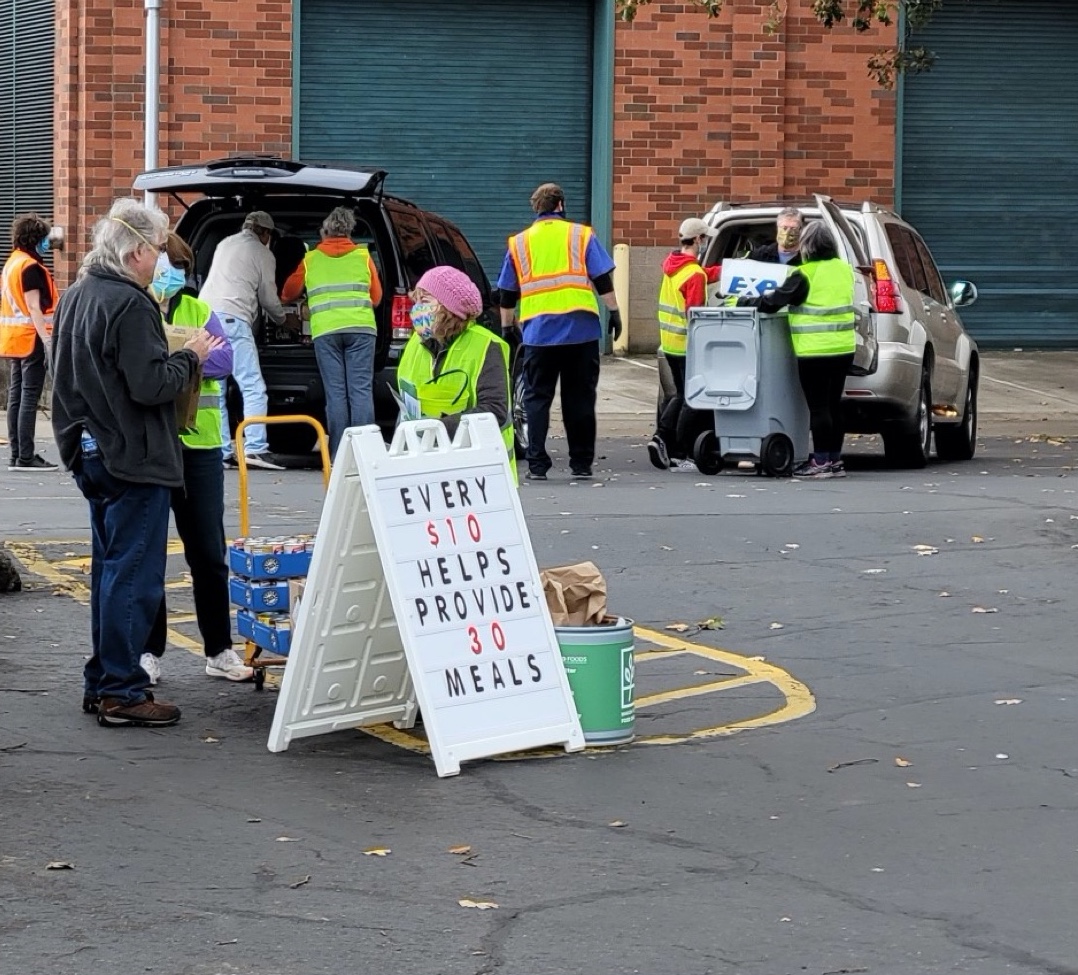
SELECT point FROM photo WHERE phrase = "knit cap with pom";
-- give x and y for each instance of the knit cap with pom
(453, 290)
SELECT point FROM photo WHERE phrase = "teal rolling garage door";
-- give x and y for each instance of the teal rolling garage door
(989, 150)
(468, 104)
(27, 42)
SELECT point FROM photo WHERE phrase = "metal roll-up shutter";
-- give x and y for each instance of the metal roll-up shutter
(27, 46)
(468, 104)
(989, 143)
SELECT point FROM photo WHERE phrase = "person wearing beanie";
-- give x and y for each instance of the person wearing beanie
(452, 365)
(342, 289)
(553, 270)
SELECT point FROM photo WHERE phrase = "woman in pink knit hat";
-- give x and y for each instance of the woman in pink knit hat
(452, 365)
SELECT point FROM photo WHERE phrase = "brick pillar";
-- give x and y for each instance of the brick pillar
(226, 88)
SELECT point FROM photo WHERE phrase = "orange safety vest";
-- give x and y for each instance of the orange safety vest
(549, 258)
(17, 332)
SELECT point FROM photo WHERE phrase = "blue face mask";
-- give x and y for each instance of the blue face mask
(167, 280)
(423, 319)
(43, 247)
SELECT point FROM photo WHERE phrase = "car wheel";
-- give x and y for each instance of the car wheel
(959, 442)
(706, 453)
(520, 419)
(909, 444)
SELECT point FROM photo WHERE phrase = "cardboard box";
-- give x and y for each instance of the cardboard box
(177, 337)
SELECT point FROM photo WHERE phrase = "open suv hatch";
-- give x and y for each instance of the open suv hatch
(404, 241)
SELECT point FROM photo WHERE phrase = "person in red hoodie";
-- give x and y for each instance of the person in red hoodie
(684, 286)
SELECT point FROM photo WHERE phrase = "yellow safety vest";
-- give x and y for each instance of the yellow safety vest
(824, 324)
(673, 320)
(17, 332)
(453, 391)
(339, 291)
(192, 313)
(549, 258)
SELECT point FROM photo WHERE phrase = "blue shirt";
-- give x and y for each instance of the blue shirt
(571, 327)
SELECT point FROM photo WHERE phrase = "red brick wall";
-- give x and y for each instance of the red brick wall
(226, 88)
(709, 110)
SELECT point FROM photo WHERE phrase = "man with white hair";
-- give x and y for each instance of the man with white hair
(114, 418)
(342, 289)
(241, 280)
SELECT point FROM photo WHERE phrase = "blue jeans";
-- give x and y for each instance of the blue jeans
(346, 362)
(129, 526)
(248, 375)
(199, 510)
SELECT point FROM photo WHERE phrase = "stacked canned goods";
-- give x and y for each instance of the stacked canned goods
(261, 570)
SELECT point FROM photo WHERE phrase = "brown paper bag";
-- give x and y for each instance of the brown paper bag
(575, 594)
(187, 402)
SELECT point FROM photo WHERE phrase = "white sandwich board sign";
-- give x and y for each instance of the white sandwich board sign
(423, 591)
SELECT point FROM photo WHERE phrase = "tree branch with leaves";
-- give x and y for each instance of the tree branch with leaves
(884, 66)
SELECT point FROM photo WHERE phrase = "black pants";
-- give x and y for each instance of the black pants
(680, 425)
(823, 379)
(577, 367)
(199, 510)
(24, 393)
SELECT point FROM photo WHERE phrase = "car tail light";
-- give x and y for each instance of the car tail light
(401, 319)
(885, 295)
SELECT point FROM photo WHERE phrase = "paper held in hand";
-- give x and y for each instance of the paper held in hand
(177, 337)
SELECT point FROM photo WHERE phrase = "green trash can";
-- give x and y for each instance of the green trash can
(602, 674)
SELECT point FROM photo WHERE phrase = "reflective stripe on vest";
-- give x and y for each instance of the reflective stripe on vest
(549, 258)
(673, 318)
(824, 324)
(17, 332)
(192, 313)
(339, 291)
(454, 390)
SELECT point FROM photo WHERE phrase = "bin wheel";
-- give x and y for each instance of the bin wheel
(260, 678)
(777, 455)
(706, 453)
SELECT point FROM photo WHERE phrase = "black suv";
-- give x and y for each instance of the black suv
(404, 241)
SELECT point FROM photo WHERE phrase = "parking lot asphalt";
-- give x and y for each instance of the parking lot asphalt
(868, 768)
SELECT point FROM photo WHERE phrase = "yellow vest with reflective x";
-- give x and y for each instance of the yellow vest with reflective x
(338, 291)
(192, 313)
(454, 390)
(824, 324)
(549, 258)
(673, 317)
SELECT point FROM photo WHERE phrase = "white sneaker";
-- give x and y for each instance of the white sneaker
(152, 665)
(264, 462)
(227, 664)
(686, 465)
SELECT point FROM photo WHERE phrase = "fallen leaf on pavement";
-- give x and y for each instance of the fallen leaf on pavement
(287, 839)
(678, 627)
(872, 572)
(300, 883)
(982, 609)
(977, 540)
(480, 905)
(59, 865)
(618, 824)
(914, 785)
(944, 594)
(777, 626)
(377, 851)
(903, 762)
(211, 740)
(1009, 700)
(712, 623)
(926, 550)
(459, 850)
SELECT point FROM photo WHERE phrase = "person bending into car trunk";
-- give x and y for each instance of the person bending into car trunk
(114, 419)
(819, 296)
(342, 289)
(241, 280)
(551, 269)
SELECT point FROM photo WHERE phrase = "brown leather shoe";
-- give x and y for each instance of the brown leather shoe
(112, 712)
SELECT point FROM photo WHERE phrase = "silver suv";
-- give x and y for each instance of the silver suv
(925, 377)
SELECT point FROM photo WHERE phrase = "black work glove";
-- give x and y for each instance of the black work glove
(615, 324)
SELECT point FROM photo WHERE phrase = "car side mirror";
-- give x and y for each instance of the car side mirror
(963, 293)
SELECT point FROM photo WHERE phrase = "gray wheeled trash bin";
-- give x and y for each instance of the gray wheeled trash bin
(741, 364)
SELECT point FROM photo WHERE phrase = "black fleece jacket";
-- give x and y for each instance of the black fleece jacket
(112, 374)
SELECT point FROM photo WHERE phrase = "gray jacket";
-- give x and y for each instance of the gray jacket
(243, 278)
